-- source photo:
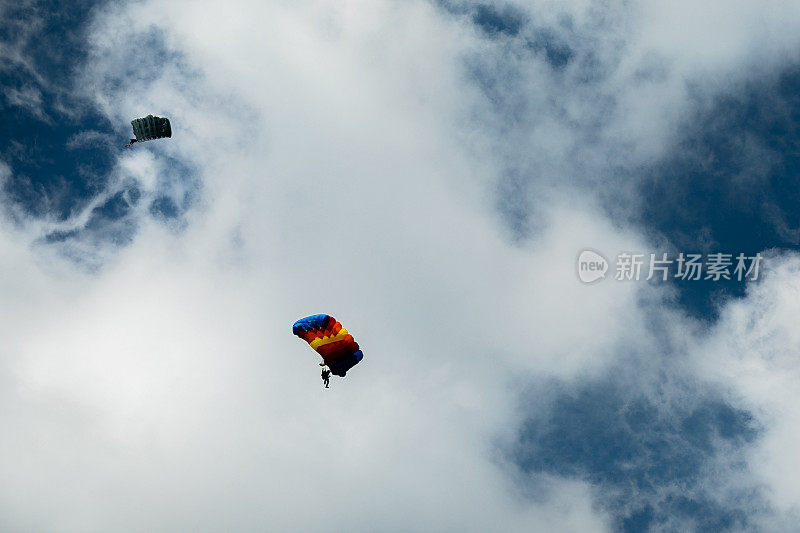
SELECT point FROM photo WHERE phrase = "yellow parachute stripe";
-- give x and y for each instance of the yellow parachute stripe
(316, 343)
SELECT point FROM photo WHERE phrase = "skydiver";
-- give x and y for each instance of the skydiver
(130, 143)
(326, 376)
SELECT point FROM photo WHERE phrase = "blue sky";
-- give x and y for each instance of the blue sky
(427, 173)
(44, 112)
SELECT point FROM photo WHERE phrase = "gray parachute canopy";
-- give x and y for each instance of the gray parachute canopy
(151, 127)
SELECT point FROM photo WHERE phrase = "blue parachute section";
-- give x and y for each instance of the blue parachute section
(312, 322)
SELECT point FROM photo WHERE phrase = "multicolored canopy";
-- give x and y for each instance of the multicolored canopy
(337, 347)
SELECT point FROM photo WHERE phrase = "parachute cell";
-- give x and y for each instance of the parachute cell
(151, 127)
(337, 347)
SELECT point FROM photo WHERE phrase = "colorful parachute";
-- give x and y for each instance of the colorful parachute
(327, 336)
(150, 127)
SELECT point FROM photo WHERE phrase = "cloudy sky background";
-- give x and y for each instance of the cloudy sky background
(426, 172)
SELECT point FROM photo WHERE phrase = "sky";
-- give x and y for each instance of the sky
(427, 172)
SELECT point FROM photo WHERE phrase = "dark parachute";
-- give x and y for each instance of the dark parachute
(326, 335)
(149, 128)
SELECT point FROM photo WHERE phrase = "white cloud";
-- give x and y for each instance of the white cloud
(29, 98)
(171, 379)
(753, 353)
(347, 166)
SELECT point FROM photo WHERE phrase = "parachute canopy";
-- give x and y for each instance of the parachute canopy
(151, 127)
(327, 336)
